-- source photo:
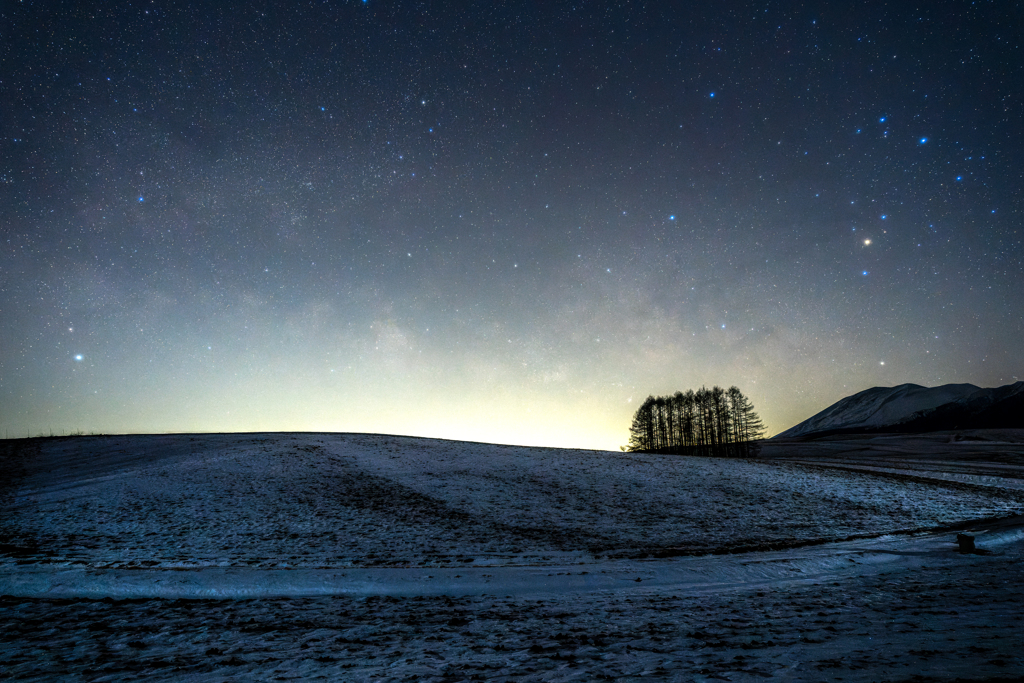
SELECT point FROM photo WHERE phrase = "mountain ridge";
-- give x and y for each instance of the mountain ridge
(912, 408)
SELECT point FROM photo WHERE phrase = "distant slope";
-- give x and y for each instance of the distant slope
(878, 407)
(999, 408)
(910, 408)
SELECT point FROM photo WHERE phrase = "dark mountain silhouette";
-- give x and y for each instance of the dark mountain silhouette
(911, 408)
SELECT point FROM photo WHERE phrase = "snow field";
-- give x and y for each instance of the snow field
(334, 501)
(377, 558)
(947, 618)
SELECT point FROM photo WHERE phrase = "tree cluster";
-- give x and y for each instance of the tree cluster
(703, 422)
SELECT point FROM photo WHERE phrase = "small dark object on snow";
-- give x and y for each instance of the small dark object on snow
(965, 542)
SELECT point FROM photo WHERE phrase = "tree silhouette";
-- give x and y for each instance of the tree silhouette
(711, 421)
(641, 432)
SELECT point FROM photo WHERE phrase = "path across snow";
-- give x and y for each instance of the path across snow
(691, 575)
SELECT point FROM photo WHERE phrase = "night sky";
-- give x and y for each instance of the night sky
(504, 222)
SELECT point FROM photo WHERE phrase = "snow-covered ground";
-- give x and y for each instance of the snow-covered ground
(979, 457)
(369, 557)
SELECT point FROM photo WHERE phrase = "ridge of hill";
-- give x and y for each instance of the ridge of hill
(912, 409)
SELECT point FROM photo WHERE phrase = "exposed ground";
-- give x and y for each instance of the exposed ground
(365, 557)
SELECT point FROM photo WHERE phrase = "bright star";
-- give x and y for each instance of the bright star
(867, 241)
(864, 272)
(672, 218)
(881, 120)
(141, 199)
(712, 94)
(923, 140)
(79, 357)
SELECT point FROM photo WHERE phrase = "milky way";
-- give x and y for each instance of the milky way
(507, 222)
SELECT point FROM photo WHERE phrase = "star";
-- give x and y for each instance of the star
(289, 185)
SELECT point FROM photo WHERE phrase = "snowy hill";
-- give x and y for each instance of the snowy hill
(366, 557)
(287, 501)
(999, 408)
(911, 408)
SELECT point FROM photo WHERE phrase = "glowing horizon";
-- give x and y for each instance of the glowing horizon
(358, 217)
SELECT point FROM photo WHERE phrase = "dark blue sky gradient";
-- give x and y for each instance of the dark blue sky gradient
(500, 221)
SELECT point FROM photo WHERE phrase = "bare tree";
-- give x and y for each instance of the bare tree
(704, 422)
(641, 432)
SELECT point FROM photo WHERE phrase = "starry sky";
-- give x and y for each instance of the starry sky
(500, 221)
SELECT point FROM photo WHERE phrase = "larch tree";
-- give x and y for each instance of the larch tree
(711, 421)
